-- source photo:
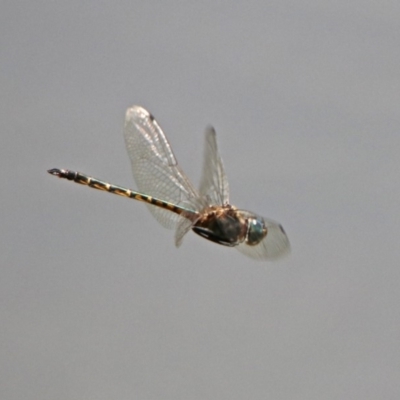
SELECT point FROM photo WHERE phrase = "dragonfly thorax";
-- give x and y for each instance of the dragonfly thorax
(221, 224)
(229, 226)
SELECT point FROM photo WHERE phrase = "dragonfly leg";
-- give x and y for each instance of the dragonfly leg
(210, 235)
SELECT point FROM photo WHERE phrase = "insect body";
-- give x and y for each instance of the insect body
(174, 201)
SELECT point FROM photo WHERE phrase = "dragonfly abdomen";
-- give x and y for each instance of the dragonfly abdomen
(95, 183)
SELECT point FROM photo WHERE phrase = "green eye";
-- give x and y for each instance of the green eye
(256, 231)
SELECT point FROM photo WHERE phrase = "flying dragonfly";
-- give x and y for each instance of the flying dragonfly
(173, 200)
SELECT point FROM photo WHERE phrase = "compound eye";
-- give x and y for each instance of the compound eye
(256, 231)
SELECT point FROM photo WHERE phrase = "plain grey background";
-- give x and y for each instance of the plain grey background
(95, 300)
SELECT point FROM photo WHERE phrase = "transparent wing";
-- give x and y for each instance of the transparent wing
(274, 245)
(154, 165)
(182, 228)
(214, 183)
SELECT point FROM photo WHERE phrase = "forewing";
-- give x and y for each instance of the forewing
(214, 183)
(274, 245)
(154, 165)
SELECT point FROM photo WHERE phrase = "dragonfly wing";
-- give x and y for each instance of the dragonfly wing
(214, 183)
(154, 165)
(182, 228)
(274, 245)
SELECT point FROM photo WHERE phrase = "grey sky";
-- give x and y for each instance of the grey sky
(95, 300)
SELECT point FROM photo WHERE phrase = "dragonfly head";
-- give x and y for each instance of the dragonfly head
(256, 230)
(264, 239)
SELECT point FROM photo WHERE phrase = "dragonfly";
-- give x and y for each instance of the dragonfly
(174, 201)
